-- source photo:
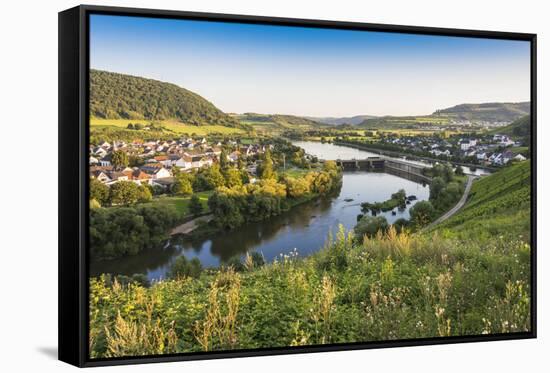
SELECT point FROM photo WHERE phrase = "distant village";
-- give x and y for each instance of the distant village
(490, 150)
(152, 161)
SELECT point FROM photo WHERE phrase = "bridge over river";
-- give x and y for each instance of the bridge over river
(385, 164)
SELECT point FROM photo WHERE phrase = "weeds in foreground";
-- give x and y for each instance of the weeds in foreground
(395, 287)
(218, 328)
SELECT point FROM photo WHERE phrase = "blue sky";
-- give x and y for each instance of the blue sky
(311, 71)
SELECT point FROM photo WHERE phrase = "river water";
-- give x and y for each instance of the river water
(304, 228)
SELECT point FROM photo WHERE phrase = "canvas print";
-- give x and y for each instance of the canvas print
(258, 186)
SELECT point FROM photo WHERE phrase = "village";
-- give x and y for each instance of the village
(152, 162)
(486, 150)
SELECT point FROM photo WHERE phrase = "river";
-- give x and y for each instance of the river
(332, 152)
(304, 228)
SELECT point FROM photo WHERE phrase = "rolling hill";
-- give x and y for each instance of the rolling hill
(337, 121)
(277, 123)
(476, 113)
(490, 112)
(120, 96)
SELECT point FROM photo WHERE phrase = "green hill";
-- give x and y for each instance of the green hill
(489, 112)
(337, 121)
(518, 129)
(119, 96)
(272, 124)
(498, 204)
(393, 122)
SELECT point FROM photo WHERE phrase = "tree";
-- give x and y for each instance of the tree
(267, 166)
(436, 187)
(130, 126)
(144, 194)
(459, 171)
(99, 192)
(195, 205)
(422, 213)
(183, 185)
(369, 226)
(296, 188)
(211, 177)
(224, 162)
(119, 159)
(233, 177)
(400, 224)
(124, 193)
(185, 268)
(226, 211)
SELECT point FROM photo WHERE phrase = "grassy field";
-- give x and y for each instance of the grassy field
(180, 203)
(176, 127)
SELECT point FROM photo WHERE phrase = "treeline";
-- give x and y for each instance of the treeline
(121, 231)
(397, 149)
(120, 193)
(119, 96)
(234, 206)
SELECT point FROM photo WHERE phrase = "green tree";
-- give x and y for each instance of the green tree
(369, 226)
(296, 188)
(124, 193)
(267, 166)
(144, 194)
(182, 267)
(195, 205)
(210, 178)
(99, 191)
(459, 171)
(436, 187)
(183, 185)
(233, 178)
(119, 159)
(224, 162)
(422, 213)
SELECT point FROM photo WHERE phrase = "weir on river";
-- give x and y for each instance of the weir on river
(385, 164)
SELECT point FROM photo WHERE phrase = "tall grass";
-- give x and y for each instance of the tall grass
(393, 286)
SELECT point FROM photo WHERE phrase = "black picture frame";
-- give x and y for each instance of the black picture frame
(73, 182)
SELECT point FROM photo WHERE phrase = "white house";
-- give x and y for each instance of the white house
(184, 162)
(481, 156)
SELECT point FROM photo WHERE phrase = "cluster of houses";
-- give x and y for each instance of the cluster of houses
(488, 150)
(157, 158)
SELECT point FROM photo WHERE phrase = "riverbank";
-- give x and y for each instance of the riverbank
(202, 231)
(410, 156)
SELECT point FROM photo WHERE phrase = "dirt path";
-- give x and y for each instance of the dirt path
(457, 207)
(190, 226)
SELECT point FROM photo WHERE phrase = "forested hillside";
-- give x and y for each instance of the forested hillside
(119, 96)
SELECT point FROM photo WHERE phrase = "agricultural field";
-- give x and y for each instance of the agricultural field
(177, 128)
